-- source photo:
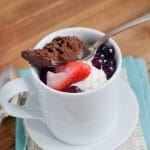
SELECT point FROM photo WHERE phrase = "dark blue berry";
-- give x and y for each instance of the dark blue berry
(107, 50)
(104, 59)
(109, 70)
(99, 55)
(97, 63)
(73, 89)
(108, 62)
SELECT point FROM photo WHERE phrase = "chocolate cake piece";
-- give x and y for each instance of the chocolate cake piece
(60, 50)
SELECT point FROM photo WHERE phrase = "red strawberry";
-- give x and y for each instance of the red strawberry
(67, 74)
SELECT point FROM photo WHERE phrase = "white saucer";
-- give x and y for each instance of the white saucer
(127, 119)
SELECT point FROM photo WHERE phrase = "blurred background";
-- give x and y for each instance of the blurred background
(24, 22)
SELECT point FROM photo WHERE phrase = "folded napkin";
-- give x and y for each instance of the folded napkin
(138, 80)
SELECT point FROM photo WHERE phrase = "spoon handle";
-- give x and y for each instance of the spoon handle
(129, 25)
(121, 28)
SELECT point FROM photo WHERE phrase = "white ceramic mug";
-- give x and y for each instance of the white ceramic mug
(80, 118)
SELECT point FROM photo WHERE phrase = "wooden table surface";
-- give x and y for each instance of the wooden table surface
(23, 23)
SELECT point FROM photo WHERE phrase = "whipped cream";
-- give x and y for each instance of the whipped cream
(96, 78)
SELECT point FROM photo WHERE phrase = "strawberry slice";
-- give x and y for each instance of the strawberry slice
(67, 74)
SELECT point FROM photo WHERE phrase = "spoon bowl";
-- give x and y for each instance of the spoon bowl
(89, 51)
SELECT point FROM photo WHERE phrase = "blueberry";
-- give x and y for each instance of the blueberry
(109, 70)
(99, 55)
(108, 62)
(96, 62)
(104, 59)
(73, 89)
(106, 49)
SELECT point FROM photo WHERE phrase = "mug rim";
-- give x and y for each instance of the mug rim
(117, 49)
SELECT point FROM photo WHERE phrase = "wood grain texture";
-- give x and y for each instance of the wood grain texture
(7, 134)
(23, 23)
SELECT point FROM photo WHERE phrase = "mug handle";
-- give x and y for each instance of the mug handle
(13, 88)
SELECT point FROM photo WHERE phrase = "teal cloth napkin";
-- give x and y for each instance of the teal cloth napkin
(20, 134)
(139, 82)
(138, 79)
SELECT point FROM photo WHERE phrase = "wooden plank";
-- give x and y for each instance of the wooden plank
(7, 134)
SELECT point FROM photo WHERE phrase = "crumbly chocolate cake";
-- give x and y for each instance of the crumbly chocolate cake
(60, 50)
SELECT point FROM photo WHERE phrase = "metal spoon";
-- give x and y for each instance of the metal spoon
(88, 52)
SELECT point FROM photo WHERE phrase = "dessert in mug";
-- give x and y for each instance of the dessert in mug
(68, 73)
